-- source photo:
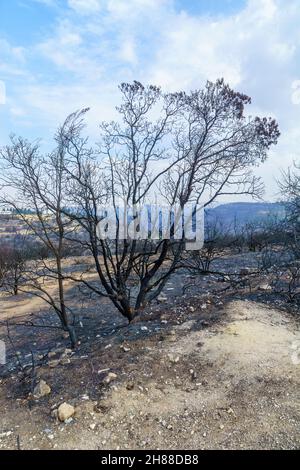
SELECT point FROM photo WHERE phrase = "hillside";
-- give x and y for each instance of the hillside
(216, 369)
(240, 213)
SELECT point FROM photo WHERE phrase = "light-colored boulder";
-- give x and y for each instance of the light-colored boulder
(110, 377)
(41, 389)
(65, 411)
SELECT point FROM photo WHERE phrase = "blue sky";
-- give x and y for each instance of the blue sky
(59, 55)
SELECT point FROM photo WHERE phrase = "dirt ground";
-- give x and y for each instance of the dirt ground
(197, 372)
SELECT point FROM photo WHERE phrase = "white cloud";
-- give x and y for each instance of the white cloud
(241, 47)
(96, 44)
(2, 92)
(85, 7)
(296, 92)
(129, 9)
(12, 60)
(17, 111)
(261, 10)
(49, 3)
(70, 39)
(128, 51)
(192, 51)
(68, 52)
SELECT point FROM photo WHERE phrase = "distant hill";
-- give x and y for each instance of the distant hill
(241, 213)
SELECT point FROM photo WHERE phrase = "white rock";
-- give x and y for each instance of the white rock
(110, 377)
(68, 421)
(6, 434)
(68, 351)
(65, 411)
(41, 389)
(173, 359)
(102, 370)
(265, 287)
(53, 363)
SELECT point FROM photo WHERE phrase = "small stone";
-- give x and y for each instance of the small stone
(103, 406)
(130, 386)
(221, 426)
(92, 426)
(172, 339)
(65, 411)
(68, 351)
(6, 434)
(110, 377)
(53, 363)
(125, 348)
(54, 413)
(265, 287)
(47, 431)
(244, 271)
(41, 389)
(173, 359)
(65, 360)
(102, 370)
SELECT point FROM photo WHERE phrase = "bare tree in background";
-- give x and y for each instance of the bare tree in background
(37, 182)
(173, 148)
(13, 258)
(281, 255)
(289, 186)
(218, 239)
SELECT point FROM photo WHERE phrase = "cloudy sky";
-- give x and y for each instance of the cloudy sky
(57, 56)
